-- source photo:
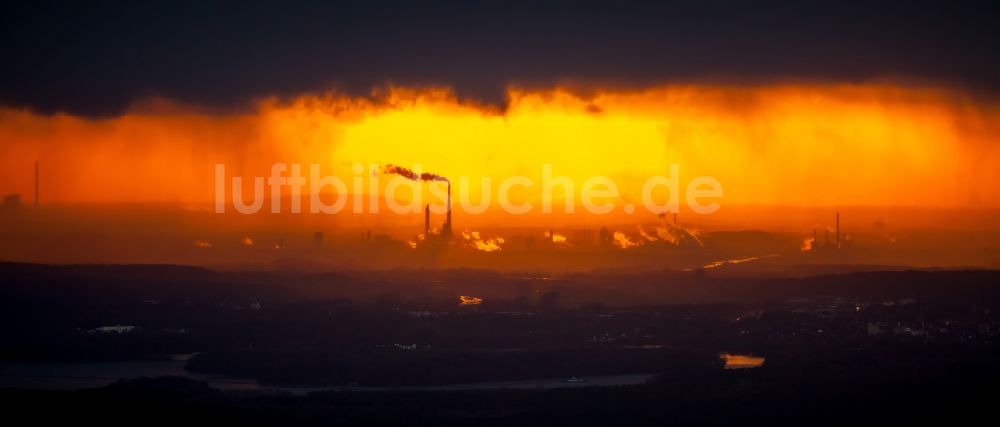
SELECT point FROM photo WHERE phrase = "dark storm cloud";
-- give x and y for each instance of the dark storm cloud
(96, 60)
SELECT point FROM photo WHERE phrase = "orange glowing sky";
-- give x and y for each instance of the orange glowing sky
(819, 145)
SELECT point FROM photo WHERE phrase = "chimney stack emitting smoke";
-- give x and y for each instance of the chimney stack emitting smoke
(447, 223)
(426, 176)
(427, 220)
(36, 183)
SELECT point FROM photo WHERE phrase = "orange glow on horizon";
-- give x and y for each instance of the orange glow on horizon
(875, 145)
(740, 361)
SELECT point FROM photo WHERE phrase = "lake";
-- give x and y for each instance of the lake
(78, 376)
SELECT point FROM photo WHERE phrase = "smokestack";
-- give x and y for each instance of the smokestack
(675, 218)
(427, 220)
(838, 229)
(447, 223)
(36, 183)
(426, 176)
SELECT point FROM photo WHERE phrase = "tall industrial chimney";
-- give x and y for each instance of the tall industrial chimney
(36, 183)
(427, 220)
(447, 223)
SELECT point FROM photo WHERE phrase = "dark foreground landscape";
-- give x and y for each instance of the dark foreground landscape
(171, 344)
(952, 390)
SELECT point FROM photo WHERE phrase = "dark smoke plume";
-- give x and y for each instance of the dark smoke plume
(409, 174)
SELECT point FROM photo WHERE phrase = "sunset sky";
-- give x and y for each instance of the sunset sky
(806, 145)
(893, 107)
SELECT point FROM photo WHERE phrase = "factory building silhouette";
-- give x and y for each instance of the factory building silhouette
(446, 228)
(13, 203)
(835, 245)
